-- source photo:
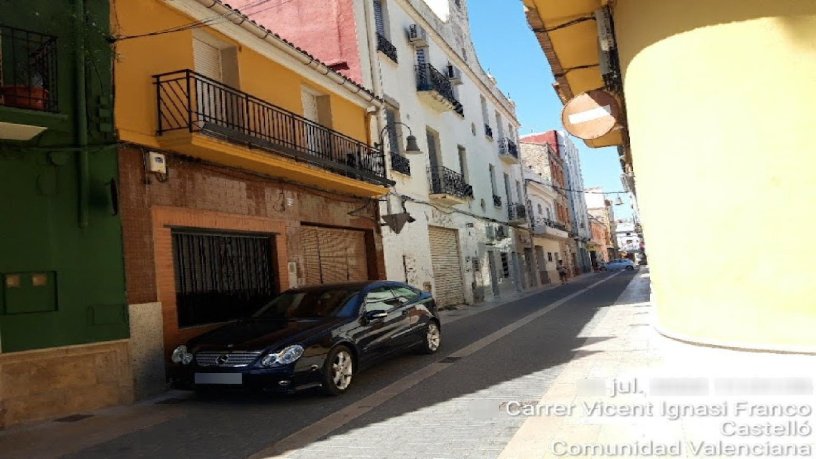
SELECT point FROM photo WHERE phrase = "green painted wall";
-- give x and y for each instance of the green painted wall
(61, 284)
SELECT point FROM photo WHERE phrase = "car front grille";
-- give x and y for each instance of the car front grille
(226, 358)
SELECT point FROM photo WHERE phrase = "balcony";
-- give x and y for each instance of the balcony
(28, 70)
(508, 151)
(488, 131)
(449, 187)
(436, 89)
(386, 47)
(516, 213)
(497, 200)
(553, 229)
(204, 118)
(400, 164)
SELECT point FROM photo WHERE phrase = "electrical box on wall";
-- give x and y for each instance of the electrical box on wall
(156, 163)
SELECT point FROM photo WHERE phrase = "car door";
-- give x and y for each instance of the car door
(382, 318)
(415, 316)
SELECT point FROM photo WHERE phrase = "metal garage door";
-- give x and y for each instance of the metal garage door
(333, 255)
(446, 266)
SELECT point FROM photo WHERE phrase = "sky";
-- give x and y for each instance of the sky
(508, 49)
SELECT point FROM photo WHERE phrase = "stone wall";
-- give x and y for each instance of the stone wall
(47, 383)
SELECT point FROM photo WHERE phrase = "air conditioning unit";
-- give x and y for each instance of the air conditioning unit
(454, 74)
(417, 36)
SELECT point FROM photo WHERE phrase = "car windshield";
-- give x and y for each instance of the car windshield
(311, 303)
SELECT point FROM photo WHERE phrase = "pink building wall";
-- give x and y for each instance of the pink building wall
(325, 29)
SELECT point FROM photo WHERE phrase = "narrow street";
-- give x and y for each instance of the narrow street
(442, 405)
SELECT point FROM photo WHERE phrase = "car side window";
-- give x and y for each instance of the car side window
(380, 299)
(405, 294)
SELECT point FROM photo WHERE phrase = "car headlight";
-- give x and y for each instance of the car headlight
(285, 356)
(181, 355)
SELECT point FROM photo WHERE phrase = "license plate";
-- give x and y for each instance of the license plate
(218, 378)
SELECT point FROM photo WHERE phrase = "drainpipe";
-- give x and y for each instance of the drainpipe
(376, 83)
(83, 168)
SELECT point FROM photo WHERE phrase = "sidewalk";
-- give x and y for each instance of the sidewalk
(688, 400)
(466, 310)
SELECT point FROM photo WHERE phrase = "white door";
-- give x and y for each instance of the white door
(311, 112)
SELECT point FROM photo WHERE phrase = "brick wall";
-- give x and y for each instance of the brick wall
(201, 195)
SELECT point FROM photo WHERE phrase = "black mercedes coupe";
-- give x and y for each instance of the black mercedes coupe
(309, 337)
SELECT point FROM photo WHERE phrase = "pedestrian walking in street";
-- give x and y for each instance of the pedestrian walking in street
(562, 272)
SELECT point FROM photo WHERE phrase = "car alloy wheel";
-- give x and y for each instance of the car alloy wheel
(339, 371)
(432, 338)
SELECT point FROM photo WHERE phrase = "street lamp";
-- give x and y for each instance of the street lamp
(411, 146)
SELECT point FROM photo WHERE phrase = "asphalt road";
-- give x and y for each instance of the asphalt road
(442, 405)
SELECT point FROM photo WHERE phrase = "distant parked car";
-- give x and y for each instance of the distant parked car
(309, 337)
(620, 263)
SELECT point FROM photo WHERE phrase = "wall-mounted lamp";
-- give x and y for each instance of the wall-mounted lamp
(411, 146)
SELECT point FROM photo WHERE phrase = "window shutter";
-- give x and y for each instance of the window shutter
(207, 60)
(378, 17)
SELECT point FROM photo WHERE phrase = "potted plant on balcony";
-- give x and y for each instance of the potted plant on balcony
(30, 96)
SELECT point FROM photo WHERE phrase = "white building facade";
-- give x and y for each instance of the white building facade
(465, 238)
(575, 194)
(465, 191)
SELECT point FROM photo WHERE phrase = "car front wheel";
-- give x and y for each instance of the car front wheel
(338, 371)
(630, 268)
(433, 337)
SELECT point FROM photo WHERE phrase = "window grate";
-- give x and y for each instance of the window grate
(222, 276)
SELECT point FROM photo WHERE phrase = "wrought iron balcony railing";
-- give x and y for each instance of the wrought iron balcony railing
(400, 164)
(508, 147)
(516, 211)
(540, 223)
(28, 70)
(431, 79)
(488, 131)
(497, 200)
(446, 181)
(386, 47)
(193, 102)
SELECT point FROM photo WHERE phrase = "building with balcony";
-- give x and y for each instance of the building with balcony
(602, 209)
(63, 316)
(467, 241)
(628, 239)
(599, 245)
(566, 165)
(541, 156)
(246, 168)
(737, 74)
(548, 223)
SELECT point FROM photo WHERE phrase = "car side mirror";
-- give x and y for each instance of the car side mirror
(373, 315)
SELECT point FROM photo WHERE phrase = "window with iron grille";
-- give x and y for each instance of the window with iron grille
(505, 261)
(222, 276)
(549, 256)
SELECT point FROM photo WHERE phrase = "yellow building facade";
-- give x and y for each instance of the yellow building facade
(242, 158)
(718, 99)
(252, 60)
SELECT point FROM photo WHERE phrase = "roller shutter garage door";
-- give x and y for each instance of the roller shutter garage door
(447, 266)
(333, 255)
